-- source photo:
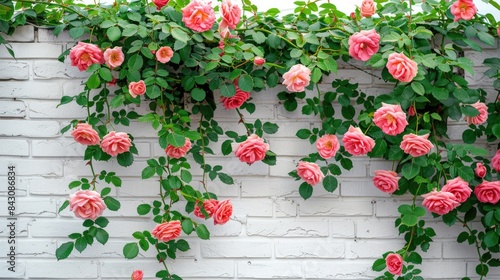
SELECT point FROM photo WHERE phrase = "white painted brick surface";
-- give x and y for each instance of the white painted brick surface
(273, 232)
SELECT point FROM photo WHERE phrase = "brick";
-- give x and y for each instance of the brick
(33, 50)
(291, 147)
(25, 167)
(478, 78)
(39, 248)
(292, 249)
(454, 250)
(29, 128)
(57, 148)
(234, 167)
(328, 207)
(13, 109)
(44, 90)
(21, 229)
(285, 207)
(14, 70)
(376, 228)
(50, 69)
(139, 188)
(236, 249)
(360, 188)
(454, 269)
(353, 75)
(80, 168)
(18, 273)
(230, 229)
(371, 248)
(31, 207)
(47, 186)
(47, 35)
(14, 148)
(389, 207)
(342, 228)
(287, 228)
(493, 273)
(251, 208)
(48, 109)
(378, 165)
(24, 33)
(265, 269)
(339, 270)
(271, 187)
(20, 188)
(53, 269)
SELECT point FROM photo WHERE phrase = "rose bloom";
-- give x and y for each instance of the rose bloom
(310, 172)
(137, 88)
(160, 3)
(391, 119)
(488, 192)
(137, 275)
(297, 78)
(481, 117)
(327, 146)
(495, 161)
(356, 142)
(115, 143)
(198, 15)
(394, 263)
(85, 134)
(416, 145)
(164, 54)
(251, 150)
(178, 152)
(86, 204)
(401, 67)
(440, 202)
(83, 55)
(236, 100)
(258, 61)
(386, 181)
(367, 8)
(223, 212)
(459, 188)
(364, 44)
(167, 231)
(230, 13)
(480, 170)
(210, 206)
(463, 9)
(114, 57)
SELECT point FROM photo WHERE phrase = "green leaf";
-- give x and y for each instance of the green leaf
(176, 140)
(148, 172)
(418, 88)
(135, 62)
(64, 205)
(227, 90)
(186, 176)
(491, 239)
(330, 183)
(496, 130)
(94, 81)
(112, 203)
(469, 111)
(125, 159)
(462, 237)
(414, 257)
(379, 265)
(64, 250)
(409, 220)
(105, 74)
(227, 147)
(102, 236)
(486, 38)
(469, 136)
(117, 101)
(182, 245)
(76, 32)
(102, 222)
(303, 133)
(305, 190)
(270, 128)
(198, 94)
(226, 179)
(180, 35)
(202, 232)
(245, 82)
(410, 170)
(143, 209)
(130, 250)
(296, 53)
(114, 33)
(187, 226)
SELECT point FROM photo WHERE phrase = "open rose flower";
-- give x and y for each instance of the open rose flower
(137, 275)
(364, 44)
(210, 206)
(495, 161)
(416, 145)
(394, 263)
(481, 117)
(114, 57)
(160, 3)
(83, 55)
(137, 88)
(488, 192)
(401, 67)
(440, 202)
(251, 150)
(85, 134)
(164, 54)
(356, 142)
(386, 181)
(310, 172)
(480, 170)
(391, 119)
(236, 100)
(198, 15)
(178, 152)
(327, 146)
(86, 204)
(463, 9)
(167, 231)
(231, 14)
(459, 188)
(223, 212)
(297, 78)
(367, 8)
(115, 143)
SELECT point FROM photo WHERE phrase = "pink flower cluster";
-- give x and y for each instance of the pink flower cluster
(453, 193)
(463, 9)
(236, 100)
(113, 143)
(86, 204)
(178, 152)
(221, 211)
(251, 150)
(231, 14)
(84, 55)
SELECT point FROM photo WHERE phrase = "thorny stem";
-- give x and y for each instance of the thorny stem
(161, 260)
(412, 233)
(478, 246)
(242, 120)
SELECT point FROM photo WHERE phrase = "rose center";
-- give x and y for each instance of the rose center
(85, 57)
(329, 144)
(362, 45)
(390, 119)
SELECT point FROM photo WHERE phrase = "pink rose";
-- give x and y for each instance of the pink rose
(137, 88)
(236, 100)
(367, 8)
(86, 204)
(356, 142)
(178, 152)
(115, 143)
(297, 78)
(223, 212)
(310, 172)
(488, 192)
(160, 3)
(391, 119)
(83, 55)
(459, 188)
(198, 15)
(480, 170)
(481, 117)
(85, 134)
(440, 202)
(251, 150)
(411, 111)
(210, 206)
(114, 57)
(401, 67)
(164, 54)
(258, 61)
(416, 145)
(167, 231)
(364, 44)
(495, 161)
(137, 275)
(231, 14)
(463, 9)
(386, 181)
(327, 146)
(394, 263)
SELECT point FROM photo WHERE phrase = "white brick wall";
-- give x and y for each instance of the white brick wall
(273, 232)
